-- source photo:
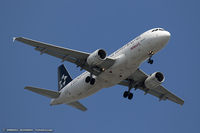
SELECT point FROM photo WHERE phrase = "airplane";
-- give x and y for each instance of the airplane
(102, 71)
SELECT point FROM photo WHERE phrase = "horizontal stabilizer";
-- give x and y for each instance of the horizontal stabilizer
(44, 92)
(77, 105)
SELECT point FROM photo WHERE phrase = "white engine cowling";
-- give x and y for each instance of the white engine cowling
(154, 80)
(96, 58)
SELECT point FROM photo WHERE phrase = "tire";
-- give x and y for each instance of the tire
(92, 81)
(130, 96)
(151, 62)
(87, 79)
(125, 94)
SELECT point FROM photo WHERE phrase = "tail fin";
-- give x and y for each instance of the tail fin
(63, 77)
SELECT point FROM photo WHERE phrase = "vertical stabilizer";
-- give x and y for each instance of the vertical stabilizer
(63, 77)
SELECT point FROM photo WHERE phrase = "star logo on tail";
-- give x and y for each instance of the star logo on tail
(62, 81)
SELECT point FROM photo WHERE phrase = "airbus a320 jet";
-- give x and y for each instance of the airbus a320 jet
(102, 71)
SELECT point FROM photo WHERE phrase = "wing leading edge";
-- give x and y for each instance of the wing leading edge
(161, 92)
(77, 57)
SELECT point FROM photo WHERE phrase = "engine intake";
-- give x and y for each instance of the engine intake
(154, 80)
(159, 76)
(97, 57)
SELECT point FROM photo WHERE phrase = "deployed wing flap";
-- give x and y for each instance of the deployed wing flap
(44, 92)
(77, 105)
(161, 92)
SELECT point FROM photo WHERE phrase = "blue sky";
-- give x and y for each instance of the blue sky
(88, 25)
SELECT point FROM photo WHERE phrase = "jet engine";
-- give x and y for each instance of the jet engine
(96, 58)
(154, 80)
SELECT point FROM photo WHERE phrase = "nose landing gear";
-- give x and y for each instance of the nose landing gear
(150, 61)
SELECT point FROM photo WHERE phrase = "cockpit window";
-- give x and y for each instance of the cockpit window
(161, 29)
(154, 30)
(158, 29)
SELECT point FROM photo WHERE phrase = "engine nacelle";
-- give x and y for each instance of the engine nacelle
(96, 58)
(154, 80)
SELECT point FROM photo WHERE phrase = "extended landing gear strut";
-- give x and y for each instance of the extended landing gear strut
(90, 79)
(150, 61)
(128, 93)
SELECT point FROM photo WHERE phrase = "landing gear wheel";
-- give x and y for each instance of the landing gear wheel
(87, 80)
(125, 94)
(130, 96)
(92, 81)
(150, 61)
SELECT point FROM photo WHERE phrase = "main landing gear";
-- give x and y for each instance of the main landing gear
(90, 79)
(150, 61)
(128, 93)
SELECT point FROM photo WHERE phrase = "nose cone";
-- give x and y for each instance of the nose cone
(164, 36)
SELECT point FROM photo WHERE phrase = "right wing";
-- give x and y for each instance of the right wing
(161, 92)
(77, 105)
(77, 57)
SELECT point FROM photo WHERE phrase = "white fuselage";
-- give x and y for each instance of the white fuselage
(128, 59)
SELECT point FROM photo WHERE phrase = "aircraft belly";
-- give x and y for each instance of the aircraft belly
(125, 65)
(115, 75)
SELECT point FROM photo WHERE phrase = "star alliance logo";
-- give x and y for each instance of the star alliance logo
(62, 81)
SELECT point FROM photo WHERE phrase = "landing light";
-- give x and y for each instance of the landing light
(103, 69)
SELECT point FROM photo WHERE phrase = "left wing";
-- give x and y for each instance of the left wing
(163, 94)
(77, 57)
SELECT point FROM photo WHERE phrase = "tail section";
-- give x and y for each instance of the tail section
(63, 77)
